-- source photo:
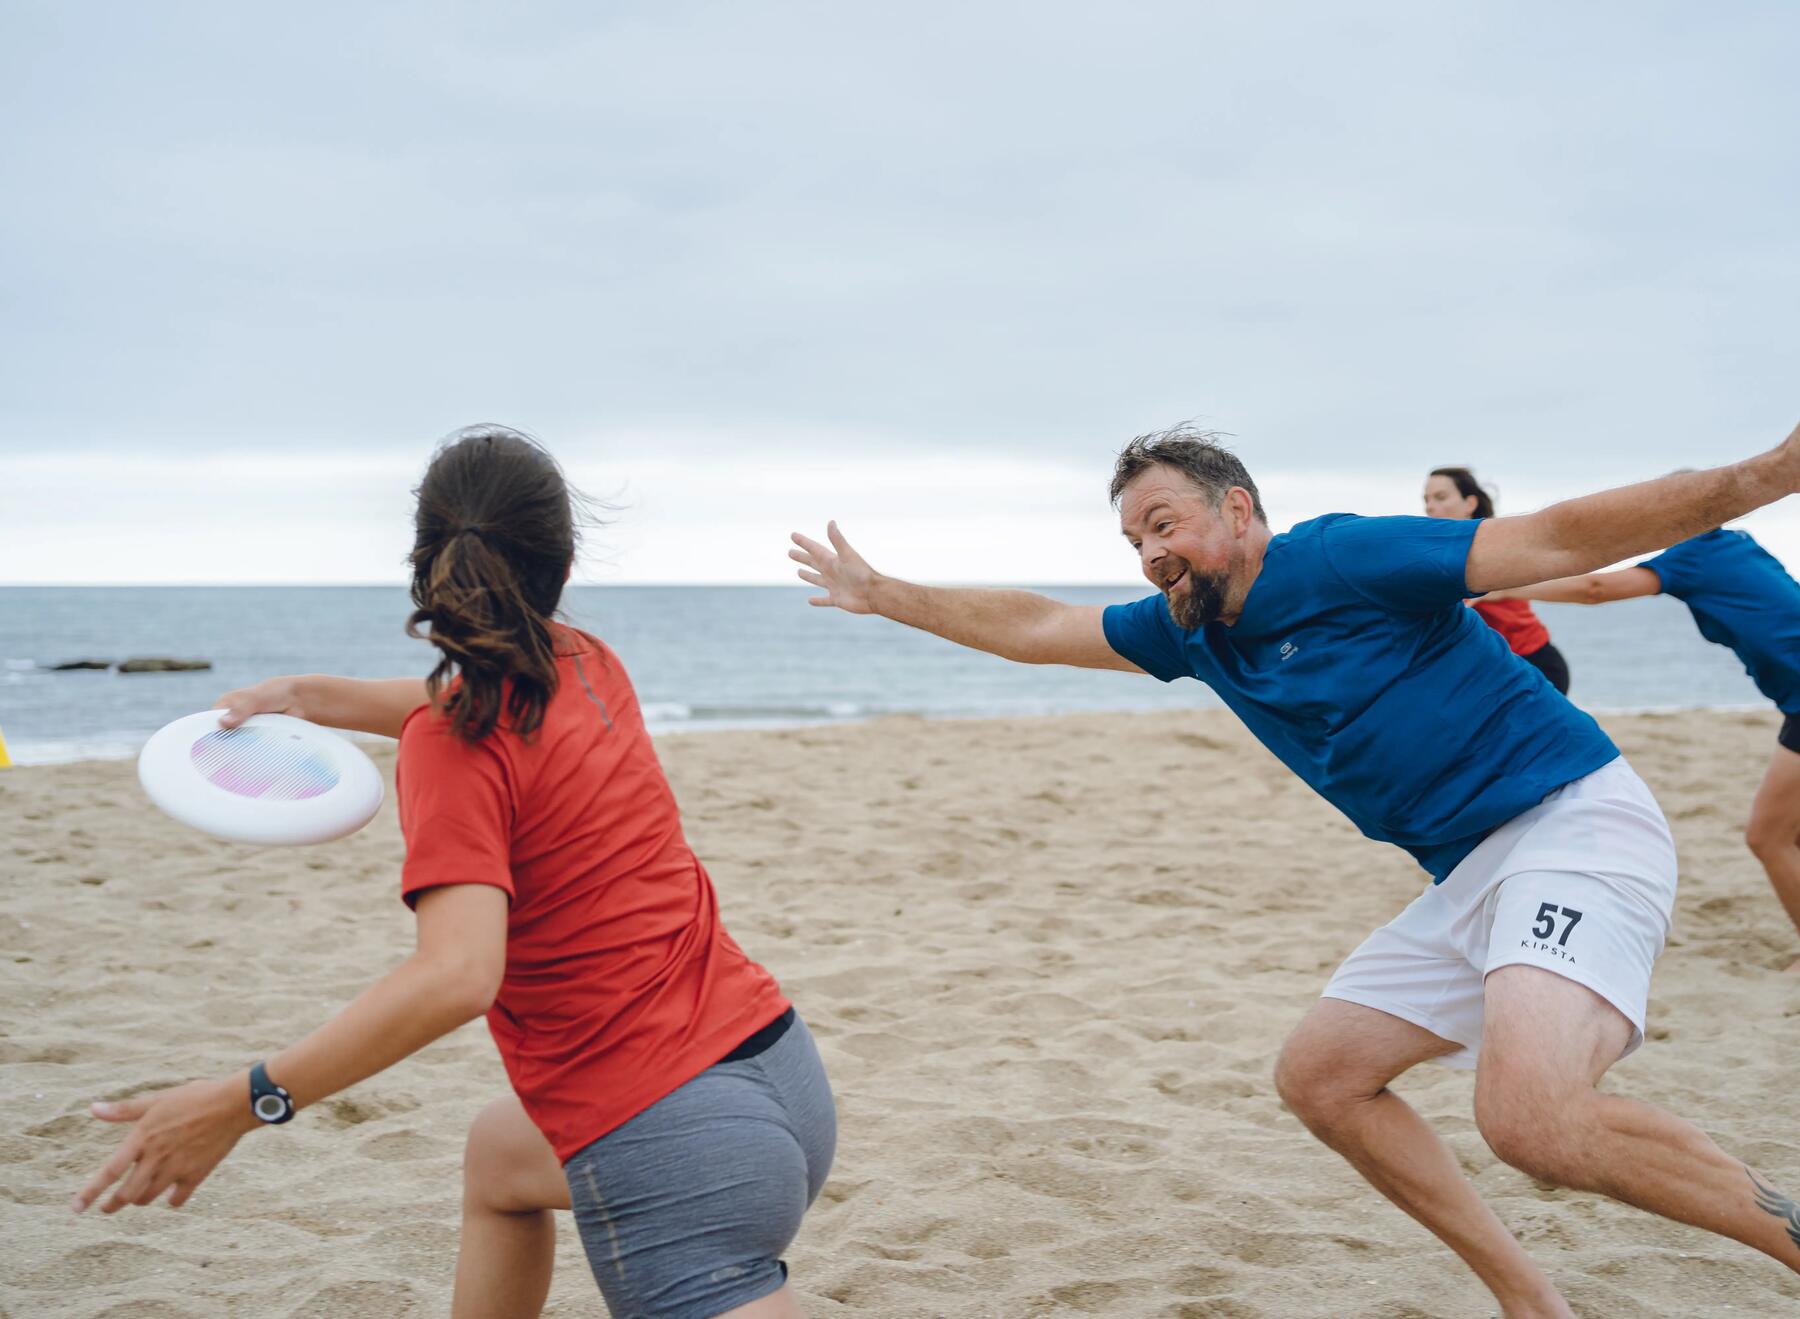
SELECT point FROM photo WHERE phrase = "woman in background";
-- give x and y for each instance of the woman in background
(1453, 492)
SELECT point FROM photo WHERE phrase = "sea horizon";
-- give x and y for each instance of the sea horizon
(703, 658)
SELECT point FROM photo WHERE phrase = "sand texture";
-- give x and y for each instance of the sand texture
(1049, 963)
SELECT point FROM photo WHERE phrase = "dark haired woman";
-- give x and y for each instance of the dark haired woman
(1453, 492)
(664, 1088)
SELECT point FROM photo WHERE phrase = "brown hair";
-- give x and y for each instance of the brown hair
(494, 537)
(1466, 485)
(1196, 454)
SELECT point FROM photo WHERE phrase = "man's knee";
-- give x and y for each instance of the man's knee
(1341, 1056)
(1768, 838)
(1773, 832)
(1535, 1127)
(1315, 1083)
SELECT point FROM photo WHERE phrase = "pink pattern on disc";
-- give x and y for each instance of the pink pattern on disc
(252, 762)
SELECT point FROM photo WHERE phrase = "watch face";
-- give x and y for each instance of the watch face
(269, 1107)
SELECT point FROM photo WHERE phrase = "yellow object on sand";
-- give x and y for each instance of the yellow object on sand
(5, 760)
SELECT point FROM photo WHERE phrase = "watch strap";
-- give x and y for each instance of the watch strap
(268, 1101)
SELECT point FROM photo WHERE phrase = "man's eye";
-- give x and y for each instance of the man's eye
(1162, 526)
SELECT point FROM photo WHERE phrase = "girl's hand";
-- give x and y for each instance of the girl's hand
(178, 1137)
(271, 696)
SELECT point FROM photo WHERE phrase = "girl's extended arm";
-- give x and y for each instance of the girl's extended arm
(179, 1136)
(367, 705)
(1594, 588)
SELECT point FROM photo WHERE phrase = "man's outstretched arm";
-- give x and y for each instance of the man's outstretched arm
(1016, 625)
(1592, 588)
(1579, 535)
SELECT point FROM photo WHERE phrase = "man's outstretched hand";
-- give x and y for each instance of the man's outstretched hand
(847, 578)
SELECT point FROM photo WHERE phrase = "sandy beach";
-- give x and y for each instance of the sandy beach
(1048, 961)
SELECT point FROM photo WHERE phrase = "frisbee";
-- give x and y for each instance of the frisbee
(274, 779)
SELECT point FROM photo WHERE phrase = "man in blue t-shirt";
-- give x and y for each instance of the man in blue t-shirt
(1742, 598)
(1344, 646)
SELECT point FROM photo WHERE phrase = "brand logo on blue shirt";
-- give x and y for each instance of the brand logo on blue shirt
(1289, 650)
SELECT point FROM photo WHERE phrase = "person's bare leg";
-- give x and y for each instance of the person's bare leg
(1333, 1073)
(1546, 1043)
(1774, 831)
(776, 1305)
(511, 1182)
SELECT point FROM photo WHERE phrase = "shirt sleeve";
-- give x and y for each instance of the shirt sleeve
(1144, 633)
(1674, 568)
(1410, 565)
(456, 809)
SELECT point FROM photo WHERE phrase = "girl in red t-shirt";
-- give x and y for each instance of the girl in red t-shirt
(1453, 492)
(664, 1089)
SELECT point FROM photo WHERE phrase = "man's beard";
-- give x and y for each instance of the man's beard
(1201, 602)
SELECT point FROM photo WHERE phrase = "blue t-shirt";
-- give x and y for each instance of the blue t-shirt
(1355, 662)
(1741, 597)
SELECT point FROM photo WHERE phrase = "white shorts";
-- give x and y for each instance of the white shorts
(1581, 884)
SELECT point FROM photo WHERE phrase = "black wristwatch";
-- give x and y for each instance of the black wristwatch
(268, 1101)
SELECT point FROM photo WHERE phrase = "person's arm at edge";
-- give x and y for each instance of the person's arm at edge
(452, 977)
(1578, 536)
(364, 705)
(1015, 625)
(1594, 588)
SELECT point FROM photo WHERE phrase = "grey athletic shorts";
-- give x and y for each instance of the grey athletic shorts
(684, 1211)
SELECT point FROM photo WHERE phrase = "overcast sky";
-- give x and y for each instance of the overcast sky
(920, 267)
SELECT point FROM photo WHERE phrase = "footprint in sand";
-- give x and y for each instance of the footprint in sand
(106, 1263)
(404, 1147)
(360, 1300)
(352, 1111)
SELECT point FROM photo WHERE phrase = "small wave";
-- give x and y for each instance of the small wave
(800, 710)
(18, 665)
(1734, 707)
(697, 717)
(702, 713)
(66, 752)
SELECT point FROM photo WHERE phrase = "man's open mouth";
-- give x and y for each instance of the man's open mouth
(1170, 584)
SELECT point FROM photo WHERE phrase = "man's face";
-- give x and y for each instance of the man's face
(1186, 547)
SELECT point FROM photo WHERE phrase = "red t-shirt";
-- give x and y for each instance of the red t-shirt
(621, 983)
(1516, 621)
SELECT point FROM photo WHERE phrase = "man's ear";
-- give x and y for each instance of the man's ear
(1242, 509)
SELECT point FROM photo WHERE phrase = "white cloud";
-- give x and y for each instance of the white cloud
(1526, 230)
(757, 265)
(928, 515)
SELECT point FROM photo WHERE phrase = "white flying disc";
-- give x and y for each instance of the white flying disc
(273, 779)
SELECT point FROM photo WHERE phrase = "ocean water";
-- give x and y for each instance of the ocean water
(701, 657)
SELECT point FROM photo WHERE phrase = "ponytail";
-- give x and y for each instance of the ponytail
(494, 540)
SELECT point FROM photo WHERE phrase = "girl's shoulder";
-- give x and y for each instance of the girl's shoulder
(428, 733)
(588, 656)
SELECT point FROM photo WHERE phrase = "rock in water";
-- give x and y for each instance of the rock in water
(70, 665)
(162, 664)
